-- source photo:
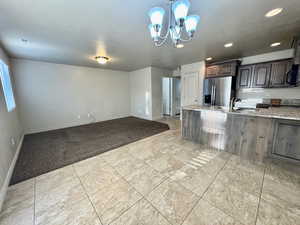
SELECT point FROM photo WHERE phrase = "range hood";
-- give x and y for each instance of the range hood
(293, 76)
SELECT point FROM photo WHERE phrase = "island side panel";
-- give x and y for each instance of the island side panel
(191, 125)
(247, 136)
(213, 129)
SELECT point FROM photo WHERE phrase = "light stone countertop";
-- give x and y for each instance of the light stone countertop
(290, 113)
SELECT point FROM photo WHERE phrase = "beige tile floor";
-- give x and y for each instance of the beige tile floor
(160, 180)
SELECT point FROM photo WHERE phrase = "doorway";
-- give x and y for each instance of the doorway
(171, 96)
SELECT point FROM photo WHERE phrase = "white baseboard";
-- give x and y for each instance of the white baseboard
(9, 174)
(157, 118)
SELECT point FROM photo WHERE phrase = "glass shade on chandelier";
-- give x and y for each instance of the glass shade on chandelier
(156, 15)
(191, 24)
(180, 9)
(154, 33)
(178, 19)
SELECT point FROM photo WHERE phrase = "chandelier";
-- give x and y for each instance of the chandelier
(178, 22)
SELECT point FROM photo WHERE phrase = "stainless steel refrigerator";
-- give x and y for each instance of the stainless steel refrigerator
(218, 91)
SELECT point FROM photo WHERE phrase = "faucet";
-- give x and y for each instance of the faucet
(233, 101)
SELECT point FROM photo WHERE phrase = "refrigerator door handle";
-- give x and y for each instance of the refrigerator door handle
(215, 89)
(212, 95)
(213, 101)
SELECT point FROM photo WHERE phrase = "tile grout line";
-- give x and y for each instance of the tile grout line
(87, 195)
(143, 197)
(226, 212)
(158, 211)
(222, 209)
(261, 189)
(201, 197)
(121, 177)
(169, 178)
(121, 214)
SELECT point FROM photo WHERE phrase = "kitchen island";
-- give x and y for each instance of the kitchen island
(253, 134)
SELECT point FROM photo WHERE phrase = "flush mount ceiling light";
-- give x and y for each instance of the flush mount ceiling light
(228, 45)
(275, 44)
(180, 45)
(273, 12)
(101, 59)
(177, 21)
(209, 58)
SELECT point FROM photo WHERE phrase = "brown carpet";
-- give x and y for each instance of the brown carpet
(47, 151)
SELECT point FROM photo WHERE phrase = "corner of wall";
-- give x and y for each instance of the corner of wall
(5, 185)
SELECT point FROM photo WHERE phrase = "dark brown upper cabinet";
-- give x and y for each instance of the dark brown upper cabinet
(261, 75)
(211, 71)
(222, 69)
(264, 75)
(279, 72)
(244, 77)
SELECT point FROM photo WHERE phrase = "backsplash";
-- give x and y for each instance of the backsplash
(251, 102)
(268, 93)
(285, 102)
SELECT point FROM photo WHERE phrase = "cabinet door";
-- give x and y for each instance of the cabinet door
(279, 73)
(227, 69)
(287, 139)
(261, 75)
(244, 77)
(212, 71)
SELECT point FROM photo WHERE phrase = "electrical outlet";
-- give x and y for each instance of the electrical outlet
(79, 117)
(88, 115)
(12, 141)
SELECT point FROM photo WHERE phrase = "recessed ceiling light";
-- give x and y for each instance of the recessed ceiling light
(180, 45)
(102, 59)
(275, 44)
(228, 45)
(209, 58)
(273, 12)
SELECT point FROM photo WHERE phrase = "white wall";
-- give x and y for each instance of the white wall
(156, 91)
(52, 96)
(146, 92)
(140, 93)
(198, 67)
(284, 54)
(283, 93)
(10, 127)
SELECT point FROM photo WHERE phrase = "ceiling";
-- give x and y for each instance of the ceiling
(74, 32)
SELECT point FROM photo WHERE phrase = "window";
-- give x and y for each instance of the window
(6, 85)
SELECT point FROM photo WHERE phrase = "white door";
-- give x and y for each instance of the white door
(189, 89)
(166, 90)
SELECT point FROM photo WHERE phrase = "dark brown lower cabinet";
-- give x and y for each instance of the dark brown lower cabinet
(287, 139)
